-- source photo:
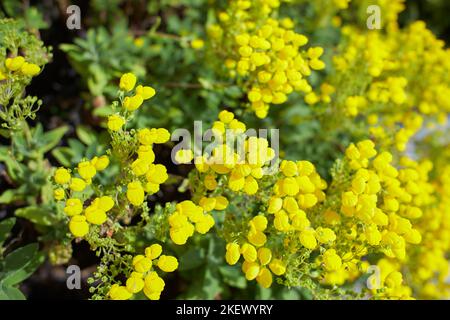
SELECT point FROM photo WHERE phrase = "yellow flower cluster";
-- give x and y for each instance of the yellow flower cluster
(95, 214)
(378, 209)
(189, 217)
(258, 263)
(428, 264)
(383, 69)
(326, 90)
(242, 168)
(140, 177)
(391, 283)
(298, 188)
(147, 176)
(265, 52)
(19, 65)
(71, 186)
(144, 277)
(132, 103)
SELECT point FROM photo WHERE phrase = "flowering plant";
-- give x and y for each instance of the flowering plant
(324, 173)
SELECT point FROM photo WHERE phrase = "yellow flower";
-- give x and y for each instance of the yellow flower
(100, 163)
(252, 270)
(250, 185)
(73, 207)
(373, 236)
(307, 239)
(78, 226)
(288, 168)
(325, 235)
(140, 167)
(145, 152)
(139, 42)
(146, 92)
(290, 186)
(233, 253)
(115, 122)
(15, 63)
(157, 173)
(95, 215)
(264, 255)
(208, 204)
(331, 260)
(135, 193)
(162, 135)
(184, 156)
(154, 285)
(119, 292)
(259, 223)
(277, 267)
(77, 184)
(30, 69)
(153, 251)
(151, 188)
(127, 81)
(141, 263)
(135, 284)
(393, 280)
(226, 116)
(86, 170)
(105, 203)
(197, 44)
(150, 136)
(204, 224)
(62, 176)
(221, 203)
(59, 194)
(275, 205)
(264, 278)
(146, 136)
(133, 103)
(249, 252)
(167, 263)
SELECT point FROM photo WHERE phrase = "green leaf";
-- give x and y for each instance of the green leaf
(12, 8)
(5, 228)
(63, 155)
(263, 293)
(103, 111)
(12, 165)
(193, 258)
(38, 215)
(10, 293)
(34, 19)
(20, 264)
(77, 147)
(51, 138)
(86, 135)
(211, 283)
(8, 196)
(233, 276)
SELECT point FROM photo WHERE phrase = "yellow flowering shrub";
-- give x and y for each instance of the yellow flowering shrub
(324, 172)
(265, 55)
(385, 90)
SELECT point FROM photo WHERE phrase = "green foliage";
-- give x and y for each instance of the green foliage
(17, 265)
